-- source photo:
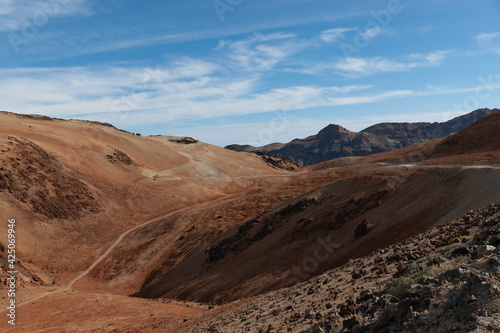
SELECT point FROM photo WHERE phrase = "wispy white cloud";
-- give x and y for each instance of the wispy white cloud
(363, 99)
(261, 52)
(88, 83)
(361, 66)
(187, 89)
(18, 15)
(372, 33)
(180, 90)
(485, 38)
(356, 67)
(353, 67)
(430, 59)
(230, 83)
(6, 6)
(425, 29)
(334, 35)
(169, 35)
(489, 41)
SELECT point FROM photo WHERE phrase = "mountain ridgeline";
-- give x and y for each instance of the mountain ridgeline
(335, 141)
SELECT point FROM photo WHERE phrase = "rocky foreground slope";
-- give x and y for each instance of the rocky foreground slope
(335, 141)
(446, 279)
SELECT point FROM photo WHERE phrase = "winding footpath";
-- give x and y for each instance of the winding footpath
(113, 246)
(121, 238)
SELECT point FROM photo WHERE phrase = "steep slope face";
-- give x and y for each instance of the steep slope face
(336, 142)
(445, 279)
(481, 137)
(181, 238)
(36, 178)
(408, 134)
(365, 209)
(75, 186)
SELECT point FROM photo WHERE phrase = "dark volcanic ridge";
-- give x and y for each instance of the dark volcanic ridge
(335, 141)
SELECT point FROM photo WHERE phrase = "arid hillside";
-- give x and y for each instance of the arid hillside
(75, 186)
(103, 215)
(446, 279)
(389, 202)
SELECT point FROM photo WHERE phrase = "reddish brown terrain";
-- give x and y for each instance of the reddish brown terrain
(121, 233)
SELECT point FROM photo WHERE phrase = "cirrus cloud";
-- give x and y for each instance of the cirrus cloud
(14, 15)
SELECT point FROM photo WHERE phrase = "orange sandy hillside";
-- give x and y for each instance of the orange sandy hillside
(93, 312)
(74, 186)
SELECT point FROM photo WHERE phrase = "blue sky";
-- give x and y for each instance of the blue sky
(249, 71)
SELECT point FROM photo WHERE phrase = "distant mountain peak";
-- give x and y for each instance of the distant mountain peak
(332, 129)
(334, 141)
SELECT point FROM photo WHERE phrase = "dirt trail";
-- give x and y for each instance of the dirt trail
(462, 167)
(120, 239)
(113, 246)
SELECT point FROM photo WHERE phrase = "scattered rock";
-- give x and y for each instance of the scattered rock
(463, 273)
(483, 289)
(346, 309)
(461, 251)
(184, 140)
(484, 250)
(426, 320)
(485, 322)
(427, 280)
(350, 323)
(461, 298)
(309, 314)
(313, 329)
(364, 296)
(363, 228)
